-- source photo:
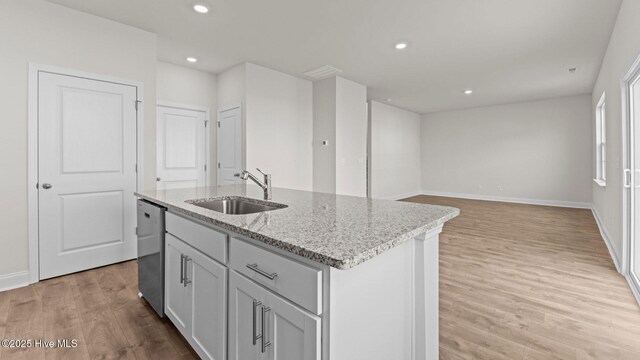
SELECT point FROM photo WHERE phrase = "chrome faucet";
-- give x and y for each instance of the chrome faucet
(266, 185)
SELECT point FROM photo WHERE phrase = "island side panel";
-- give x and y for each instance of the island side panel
(426, 342)
(371, 308)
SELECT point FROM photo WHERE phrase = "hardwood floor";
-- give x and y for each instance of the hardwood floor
(99, 308)
(516, 282)
(530, 282)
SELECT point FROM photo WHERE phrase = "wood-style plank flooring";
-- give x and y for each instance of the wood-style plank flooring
(516, 282)
(99, 308)
(530, 282)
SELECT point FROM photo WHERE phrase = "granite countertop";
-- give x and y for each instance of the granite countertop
(335, 230)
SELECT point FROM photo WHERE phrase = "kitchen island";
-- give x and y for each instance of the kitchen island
(321, 276)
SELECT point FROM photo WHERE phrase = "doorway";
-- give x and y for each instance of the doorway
(182, 146)
(229, 144)
(83, 140)
(631, 109)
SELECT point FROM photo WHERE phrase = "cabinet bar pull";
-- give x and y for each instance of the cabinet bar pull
(255, 268)
(256, 303)
(186, 272)
(181, 268)
(262, 336)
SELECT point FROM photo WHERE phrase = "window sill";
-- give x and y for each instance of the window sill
(600, 182)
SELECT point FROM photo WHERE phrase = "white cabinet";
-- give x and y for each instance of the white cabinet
(177, 304)
(276, 306)
(210, 242)
(196, 298)
(298, 282)
(245, 301)
(265, 326)
(209, 306)
(294, 334)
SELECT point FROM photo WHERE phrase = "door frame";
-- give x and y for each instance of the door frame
(207, 134)
(32, 150)
(242, 136)
(627, 161)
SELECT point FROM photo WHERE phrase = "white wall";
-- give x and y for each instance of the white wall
(324, 129)
(340, 118)
(351, 138)
(279, 126)
(623, 49)
(540, 150)
(232, 86)
(395, 152)
(186, 86)
(232, 92)
(40, 32)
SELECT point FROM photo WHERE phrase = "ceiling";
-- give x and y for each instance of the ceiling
(505, 50)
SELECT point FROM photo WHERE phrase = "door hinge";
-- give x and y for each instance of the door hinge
(205, 168)
(218, 165)
(136, 168)
(218, 123)
(137, 103)
(206, 122)
(37, 185)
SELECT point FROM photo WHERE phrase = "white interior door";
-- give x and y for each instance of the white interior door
(181, 148)
(229, 145)
(86, 173)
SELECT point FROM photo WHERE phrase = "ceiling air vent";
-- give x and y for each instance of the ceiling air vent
(323, 72)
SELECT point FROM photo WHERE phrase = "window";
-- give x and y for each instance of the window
(601, 143)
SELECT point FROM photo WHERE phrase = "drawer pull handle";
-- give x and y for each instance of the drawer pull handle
(181, 268)
(264, 344)
(186, 271)
(255, 268)
(256, 303)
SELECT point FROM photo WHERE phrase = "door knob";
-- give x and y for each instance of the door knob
(46, 186)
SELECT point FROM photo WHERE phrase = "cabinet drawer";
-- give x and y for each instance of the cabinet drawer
(211, 242)
(298, 282)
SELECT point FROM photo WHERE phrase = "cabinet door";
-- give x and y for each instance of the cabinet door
(245, 304)
(208, 281)
(177, 297)
(294, 334)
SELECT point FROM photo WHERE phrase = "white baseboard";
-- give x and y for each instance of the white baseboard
(402, 196)
(558, 203)
(14, 280)
(607, 240)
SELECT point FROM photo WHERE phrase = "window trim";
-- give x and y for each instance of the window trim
(601, 141)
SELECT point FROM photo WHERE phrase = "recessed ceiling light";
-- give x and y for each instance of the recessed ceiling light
(200, 8)
(401, 45)
(468, 92)
(388, 99)
(192, 59)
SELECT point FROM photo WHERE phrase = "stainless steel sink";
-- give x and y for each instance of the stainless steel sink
(236, 205)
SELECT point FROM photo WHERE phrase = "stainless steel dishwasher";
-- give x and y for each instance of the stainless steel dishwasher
(151, 254)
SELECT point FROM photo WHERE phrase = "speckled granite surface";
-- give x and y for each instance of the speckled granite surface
(339, 231)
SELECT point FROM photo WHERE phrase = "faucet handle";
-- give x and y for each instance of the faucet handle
(236, 174)
(261, 172)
